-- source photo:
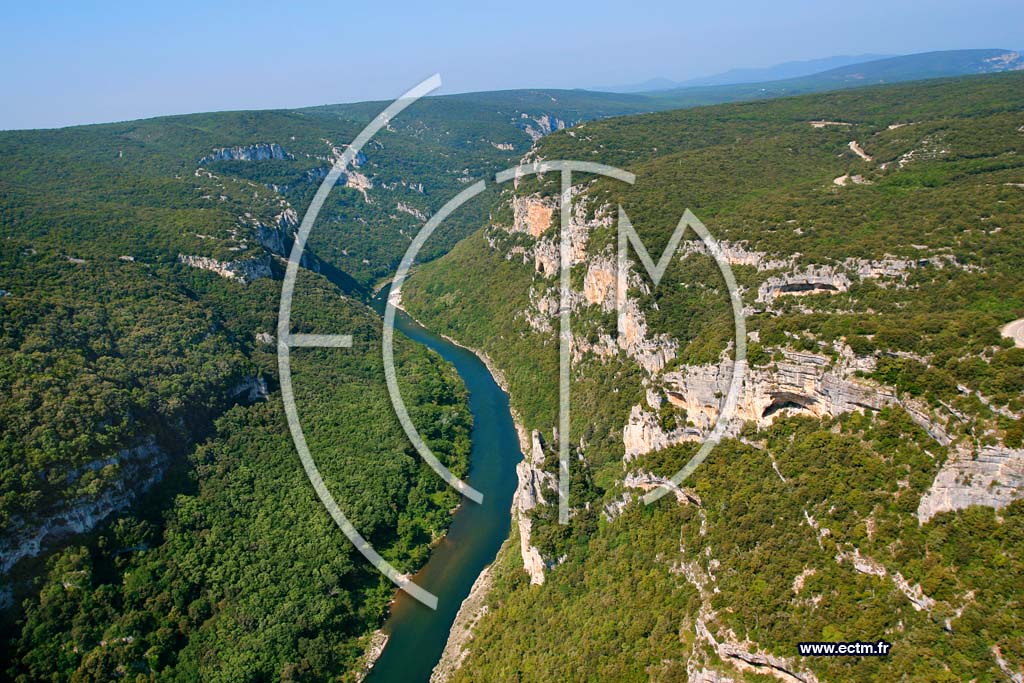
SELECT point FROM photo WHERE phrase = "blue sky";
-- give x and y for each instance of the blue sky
(90, 61)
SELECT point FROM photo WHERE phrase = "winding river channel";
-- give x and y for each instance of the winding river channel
(417, 634)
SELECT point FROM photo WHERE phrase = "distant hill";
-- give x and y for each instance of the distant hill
(794, 69)
(924, 65)
(914, 67)
(775, 72)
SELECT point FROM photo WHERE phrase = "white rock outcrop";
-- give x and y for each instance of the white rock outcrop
(645, 481)
(139, 468)
(411, 210)
(539, 126)
(472, 610)
(653, 353)
(529, 494)
(812, 280)
(738, 254)
(260, 151)
(643, 434)
(872, 567)
(991, 476)
(244, 271)
(801, 382)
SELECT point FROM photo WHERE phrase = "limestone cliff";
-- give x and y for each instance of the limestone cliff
(245, 270)
(529, 494)
(261, 151)
(134, 471)
(990, 475)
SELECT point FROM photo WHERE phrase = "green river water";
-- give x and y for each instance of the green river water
(417, 634)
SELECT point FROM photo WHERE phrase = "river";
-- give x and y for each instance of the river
(417, 634)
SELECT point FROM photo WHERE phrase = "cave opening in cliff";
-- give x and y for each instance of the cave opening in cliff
(807, 287)
(787, 401)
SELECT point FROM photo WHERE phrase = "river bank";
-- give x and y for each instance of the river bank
(458, 568)
(474, 607)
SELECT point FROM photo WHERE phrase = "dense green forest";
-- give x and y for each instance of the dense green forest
(245, 576)
(156, 522)
(108, 337)
(130, 380)
(769, 550)
(144, 450)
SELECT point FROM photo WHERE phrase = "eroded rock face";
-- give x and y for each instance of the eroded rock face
(992, 476)
(277, 237)
(802, 382)
(411, 210)
(547, 258)
(244, 271)
(140, 468)
(539, 126)
(813, 280)
(529, 494)
(738, 254)
(599, 283)
(707, 676)
(251, 389)
(746, 659)
(261, 151)
(643, 434)
(652, 353)
(532, 215)
(338, 154)
(472, 610)
(645, 481)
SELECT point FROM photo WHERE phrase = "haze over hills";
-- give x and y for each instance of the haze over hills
(912, 67)
(747, 74)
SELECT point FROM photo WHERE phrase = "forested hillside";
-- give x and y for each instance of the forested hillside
(157, 524)
(870, 485)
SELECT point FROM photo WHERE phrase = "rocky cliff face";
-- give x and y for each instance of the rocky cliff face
(277, 236)
(138, 469)
(799, 383)
(261, 151)
(244, 271)
(539, 126)
(990, 475)
(472, 610)
(250, 390)
(532, 215)
(808, 281)
(530, 493)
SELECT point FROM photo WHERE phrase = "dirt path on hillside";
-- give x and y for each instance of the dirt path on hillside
(1015, 331)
